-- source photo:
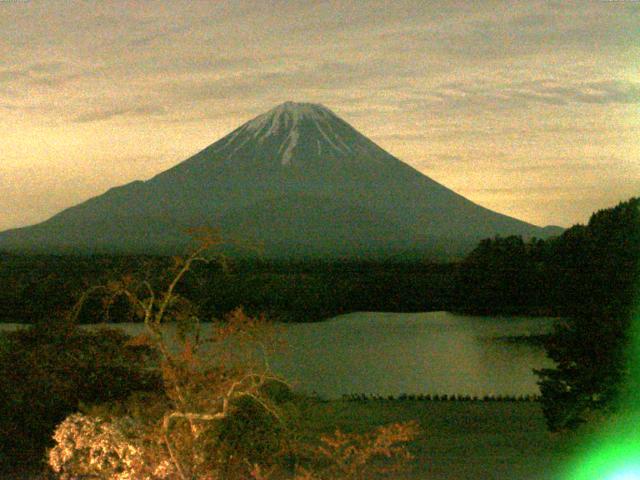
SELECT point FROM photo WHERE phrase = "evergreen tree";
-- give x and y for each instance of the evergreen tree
(597, 265)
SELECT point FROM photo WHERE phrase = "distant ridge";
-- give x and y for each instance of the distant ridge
(298, 180)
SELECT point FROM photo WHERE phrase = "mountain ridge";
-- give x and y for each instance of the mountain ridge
(278, 163)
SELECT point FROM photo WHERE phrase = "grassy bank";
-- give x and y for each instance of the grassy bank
(461, 440)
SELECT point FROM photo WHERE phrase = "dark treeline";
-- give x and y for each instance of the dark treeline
(576, 273)
(585, 267)
(35, 287)
(599, 266)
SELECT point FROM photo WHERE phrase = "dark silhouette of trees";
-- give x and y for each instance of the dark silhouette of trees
(597, 269)
(48, 370)
(35, 286)
(588, 276)
(504, 275)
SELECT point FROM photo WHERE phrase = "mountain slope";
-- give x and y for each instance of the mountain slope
(297, 179)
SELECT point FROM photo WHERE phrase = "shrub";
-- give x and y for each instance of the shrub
(352, 456)
(93, 447)
(250, 435)
(48, 370)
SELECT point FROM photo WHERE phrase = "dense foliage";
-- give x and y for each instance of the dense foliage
(506, 275)
(599, 266)
(47, 371)
(34, 286)
(581, 271)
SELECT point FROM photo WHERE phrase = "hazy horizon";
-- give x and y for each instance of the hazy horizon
(527, 108)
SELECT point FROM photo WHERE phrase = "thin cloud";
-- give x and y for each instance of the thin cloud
(601, 92)
(48, 67)
(402, 137)
(525, 189)
(9, 75)
(501, 32)
(521, 94)
(152, 37)
(41, 73)
(107, 114)
(562, 165)
(321, 76)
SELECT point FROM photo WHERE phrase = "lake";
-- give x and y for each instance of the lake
(413, 353)
(434, 352)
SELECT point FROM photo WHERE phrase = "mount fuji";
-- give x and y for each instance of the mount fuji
(298, 180)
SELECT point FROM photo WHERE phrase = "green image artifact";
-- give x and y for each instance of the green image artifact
(614, 452)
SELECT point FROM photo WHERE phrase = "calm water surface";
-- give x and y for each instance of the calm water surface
(420, 353)
(434, 352)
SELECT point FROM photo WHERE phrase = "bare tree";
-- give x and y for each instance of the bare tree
(208, 381)
(205, 378)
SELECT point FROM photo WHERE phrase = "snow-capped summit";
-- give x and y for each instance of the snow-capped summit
(289, 114)
(290, 117)
(297, 179)
(298, 127)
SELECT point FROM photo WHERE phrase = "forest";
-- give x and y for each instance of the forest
(300, 291)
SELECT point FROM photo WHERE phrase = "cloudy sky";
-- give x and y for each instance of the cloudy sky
(528, 108)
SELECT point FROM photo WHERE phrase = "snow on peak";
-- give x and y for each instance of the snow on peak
(287, 115)
(302, 109)
(286, 118)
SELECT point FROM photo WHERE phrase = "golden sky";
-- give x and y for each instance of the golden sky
(529, 108)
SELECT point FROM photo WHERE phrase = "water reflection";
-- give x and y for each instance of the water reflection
(434, 352)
